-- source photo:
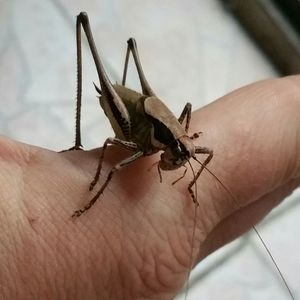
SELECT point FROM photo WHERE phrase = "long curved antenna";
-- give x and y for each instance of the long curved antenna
(193, 238)
(253, 227)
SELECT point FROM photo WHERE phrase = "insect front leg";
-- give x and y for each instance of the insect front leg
(195, 135)
(116, 168)
(181, 177)
(200, 150)
(110, 141)
(132, 47)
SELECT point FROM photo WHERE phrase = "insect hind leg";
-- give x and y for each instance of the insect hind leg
(186, 113)
(132, 47)
(82, 21)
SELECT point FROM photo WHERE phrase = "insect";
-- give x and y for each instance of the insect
(142, 123)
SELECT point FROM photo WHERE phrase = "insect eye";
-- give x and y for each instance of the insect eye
(181, 151)
(176, 150)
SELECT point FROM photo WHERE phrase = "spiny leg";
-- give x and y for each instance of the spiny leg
(200, 150)
(112, 141)
(110, 96)
(187, 112)
(83, 20)
(78, 145)
(132, 47)
(116, 168)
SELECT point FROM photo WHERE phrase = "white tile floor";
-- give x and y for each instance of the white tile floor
(199, 52)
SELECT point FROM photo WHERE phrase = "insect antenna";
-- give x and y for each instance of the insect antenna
(193, 237)
(233, 197)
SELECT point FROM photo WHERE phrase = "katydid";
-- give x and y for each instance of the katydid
(142, 124)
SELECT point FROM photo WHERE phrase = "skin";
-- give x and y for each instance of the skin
(136, 242)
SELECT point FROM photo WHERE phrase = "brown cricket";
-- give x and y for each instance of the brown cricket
(142, 123)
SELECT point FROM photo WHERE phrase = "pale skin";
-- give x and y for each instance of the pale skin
(135, 242)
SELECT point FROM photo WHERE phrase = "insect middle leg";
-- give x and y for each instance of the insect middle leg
(110, 141)
(116, 168)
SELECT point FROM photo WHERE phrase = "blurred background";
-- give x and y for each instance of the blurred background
(192, 50)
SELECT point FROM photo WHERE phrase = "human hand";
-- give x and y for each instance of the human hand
(135, 242)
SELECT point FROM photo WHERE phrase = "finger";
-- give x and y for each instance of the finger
(255, 135)
(243, 219)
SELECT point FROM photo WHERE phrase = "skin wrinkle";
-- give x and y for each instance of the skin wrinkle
(30, 204)
(24, 207)
(207, 217)
(230, 213)
(112, 241)
(11, 152)
(212, 213)
(178, 244)
(137, 246)
(248, 185)
(159, 263)
(126, 255)
(15, 244)
(86, 169)
(53, 260)
(46, 258)
(267, 198)
(148, 264)
(6, 284)
(170, 238)
(136, 255)
(163, 267)
(181, 254)
(156, 271)
(23, 261)
(156, 265)
(106, 241)
(155, 279)
(183, 244)
(86, 262)
(293, 167)
(123, 277)
(88, 268)
(61, 260)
